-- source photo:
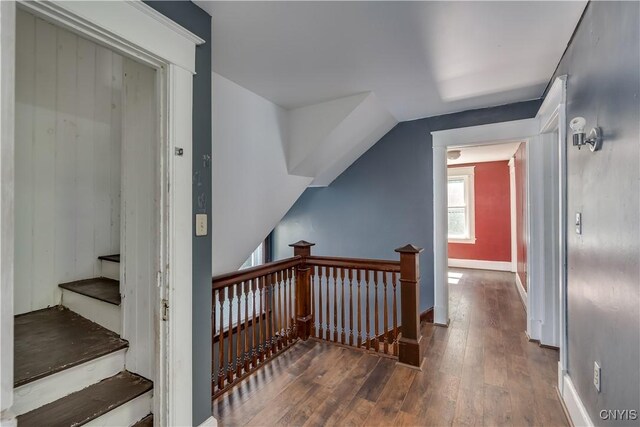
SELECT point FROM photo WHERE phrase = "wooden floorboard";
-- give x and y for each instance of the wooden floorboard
(53, 339)
(481, 370)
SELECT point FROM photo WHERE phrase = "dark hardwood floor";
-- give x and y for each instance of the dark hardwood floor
(481, 370)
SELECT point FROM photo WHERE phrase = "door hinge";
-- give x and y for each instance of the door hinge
(165, 309)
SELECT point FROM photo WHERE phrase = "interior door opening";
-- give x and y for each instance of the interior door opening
(87, 217)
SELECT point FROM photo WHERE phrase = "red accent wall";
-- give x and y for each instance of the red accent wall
(492, 215)
(521, 212)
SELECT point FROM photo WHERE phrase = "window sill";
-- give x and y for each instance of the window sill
(471, 241)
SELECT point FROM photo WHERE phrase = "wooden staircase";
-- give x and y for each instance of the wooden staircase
(69, 367)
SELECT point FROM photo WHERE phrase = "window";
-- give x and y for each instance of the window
(235, 302)
(460, 205)
(256, 258)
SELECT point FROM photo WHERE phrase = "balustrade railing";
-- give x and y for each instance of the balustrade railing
(355, 302)
(253, 319)
(368, 304)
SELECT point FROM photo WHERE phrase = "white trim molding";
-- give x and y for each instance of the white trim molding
(552, 116)
(480, 264)
(513, 212)
(513, 131)
(131, 27)
(573, 404)
(7, 160)
(521, 291)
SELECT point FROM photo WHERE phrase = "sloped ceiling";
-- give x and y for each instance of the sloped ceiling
(420, 59)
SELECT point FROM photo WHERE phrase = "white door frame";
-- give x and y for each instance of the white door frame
(7, 123)
(542, 293)
(553, 117)
(135, 30)
(513, 131)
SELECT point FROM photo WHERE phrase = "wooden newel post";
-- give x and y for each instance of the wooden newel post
(304, 315)
(410, 350)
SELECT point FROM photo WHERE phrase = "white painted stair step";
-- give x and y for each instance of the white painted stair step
(103, 313)
(53, 387)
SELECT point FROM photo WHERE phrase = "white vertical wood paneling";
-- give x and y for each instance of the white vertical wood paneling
(44, 165)
(68, 163)
(116, 147)
(87, 218)
(102, 150)
(24, 190)
(140, 216)
(66, 155)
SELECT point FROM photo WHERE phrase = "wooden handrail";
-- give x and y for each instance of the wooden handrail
(228, 279)
(355, 263)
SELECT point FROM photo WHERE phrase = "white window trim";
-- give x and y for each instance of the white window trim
(468, 172)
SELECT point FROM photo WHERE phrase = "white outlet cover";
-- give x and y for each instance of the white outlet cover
(201, 225)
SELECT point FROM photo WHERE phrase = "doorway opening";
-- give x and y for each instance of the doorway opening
(487, 219)
(87, 220)
(544, 139)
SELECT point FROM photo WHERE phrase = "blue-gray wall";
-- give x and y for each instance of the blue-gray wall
(198, 22)
(603, 85)
(385, 199)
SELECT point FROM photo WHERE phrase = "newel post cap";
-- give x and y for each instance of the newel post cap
(302, 244)
(409, 249)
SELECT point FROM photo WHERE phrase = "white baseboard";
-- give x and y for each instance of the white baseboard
(521, 291)
(480, 264)
(573, 403)
(209, 422)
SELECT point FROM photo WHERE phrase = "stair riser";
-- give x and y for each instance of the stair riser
(100, 312)
(40, 392)
(127, 414)
(110, 270)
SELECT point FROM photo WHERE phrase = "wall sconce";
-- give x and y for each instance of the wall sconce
(594, 139)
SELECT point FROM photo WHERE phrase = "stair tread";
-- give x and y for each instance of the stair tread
(101, 288)
(145, 422)
(54, 339)
(85, 405)
(112, 258)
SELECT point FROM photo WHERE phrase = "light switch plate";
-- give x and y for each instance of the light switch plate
(201, 225)
(578, 223)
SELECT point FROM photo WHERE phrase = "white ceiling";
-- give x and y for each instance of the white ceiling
(484, 153)
(420, 59)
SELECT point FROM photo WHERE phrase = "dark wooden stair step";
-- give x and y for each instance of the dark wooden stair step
(54, 339)
(88, 404)
(100, 288)
(145, 422)
(112, 258)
